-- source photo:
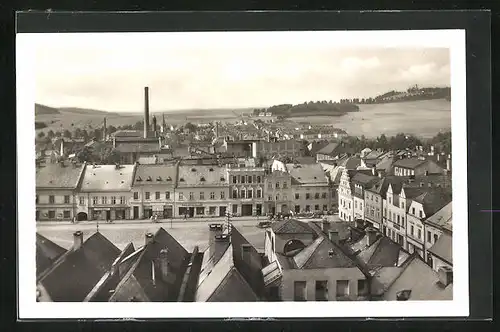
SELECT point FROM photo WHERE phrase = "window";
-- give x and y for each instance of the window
(94, 200)
(191, 196)
(243, 178)
(361, 205)
(321, 290)
(181, 196)
(325, 207)
(323, 195)
(157, 195)
(200, 210)
(390, 200)
(362, 287)
(113, 199)
(222, 195)
(259, 193)
(316, 195)
(285, 185)
(36, 199)
(235, 209)
(66, 214)
(122, 199)
(66, 199)
(308, 195)
(147, 194)
(167, 195)
(316, 207)
(104, 200)
(355, 204)
(270, 185)
(202, 195)
(250, 179)
(243, 193)
(235, 193)
(278, 197)
(269, 198)
(299, 291)
(308, 208)
(82, 200)
(277, 185)
(52, 214)
(412, 230)
(429, 236)
(419, 233)
(212, 195)
(435, 238)
(413, 211)
(258, 178)
(342, 288)
(297, 196)
(349, 205)
(234, 179)
(420, 214)
(136, 195)
(249, 193)
(51, 199)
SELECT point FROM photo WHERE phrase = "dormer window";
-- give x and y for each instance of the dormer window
(202, 179)
(139, 179)
(158, 178)
(149, 179)
(169, 179)
(181, 179)
(193, 169)
(222, 179)
(211, 169)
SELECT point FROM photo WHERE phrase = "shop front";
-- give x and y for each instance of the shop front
(108, 213)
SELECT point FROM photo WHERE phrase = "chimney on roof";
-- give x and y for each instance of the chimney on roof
(448, 164)
(445, 274)
(333, 236)
(77, 240)
(426, 173)
(371, 236)
(380, 174)
(359, 223)
(148, 238)
(374, 170)
(163, 264)
(246, 252)
(146, 111)
(325, 225)
(437, 156)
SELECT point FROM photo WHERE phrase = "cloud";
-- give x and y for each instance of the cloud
(354, 64)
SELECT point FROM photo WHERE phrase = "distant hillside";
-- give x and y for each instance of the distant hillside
(318, 108)
(87, 111)
(411, 94)
(42, 109)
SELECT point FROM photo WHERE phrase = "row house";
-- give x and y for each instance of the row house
(416, 167)
(106, 192)
(202, 190)
(56, 189)
(310, 188)
(334, 150)
(345, 189)
(153, 191)
(278, 189)
(360, 182)
(246, 190)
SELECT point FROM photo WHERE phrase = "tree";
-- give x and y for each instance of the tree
(67, 133)
(139, 125)
(41, 134)
(109, 156)
(85, 154)
(190, 127)
(50, 134)
(58, 134)
(77, 133)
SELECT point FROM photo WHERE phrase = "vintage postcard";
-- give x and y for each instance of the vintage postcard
(322, 170)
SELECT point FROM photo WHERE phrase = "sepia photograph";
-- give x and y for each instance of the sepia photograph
(213, 167)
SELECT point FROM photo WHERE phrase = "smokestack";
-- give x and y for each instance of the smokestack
(333, 236)
(163, 264)
(149, 238)
(154, 126)
(77, 240)
(163, 124)
(146, 111)
(104, 131)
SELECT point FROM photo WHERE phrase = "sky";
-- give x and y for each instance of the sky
(223, 70)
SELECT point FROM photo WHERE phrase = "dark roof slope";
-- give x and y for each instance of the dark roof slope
(409, 162)
(77, 272)
(433, 200)
(322, 254)
(47, 252)
(155, 174)
(443, 248)
(291, 226)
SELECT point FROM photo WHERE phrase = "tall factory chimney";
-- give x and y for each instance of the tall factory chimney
(163, 125)
(104, 131)
(146, 111)
(154, 126)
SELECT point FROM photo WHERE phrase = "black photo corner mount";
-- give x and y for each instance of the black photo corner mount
(478, 57)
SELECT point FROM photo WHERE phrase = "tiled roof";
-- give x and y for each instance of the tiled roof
(384, 252)
(385, 164)
(423, 282)
(374, 154)
(74, 275)
(128, 133)
(443, 247)
(47, 252)
(155, 174)
(434, 199)
(322, 254)
(351, 163)
(291, 226)
(409, 162)
(139, 282)
(108, 178)
(202, 176)
(335, 149)
(308, 174)
(65, 176)
(127, 147)
(364, 179)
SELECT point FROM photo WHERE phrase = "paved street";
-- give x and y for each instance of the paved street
(188, 233)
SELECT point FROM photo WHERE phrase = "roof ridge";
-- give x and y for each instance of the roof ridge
(311, 253)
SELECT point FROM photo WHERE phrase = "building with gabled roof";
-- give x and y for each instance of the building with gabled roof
(47, 252)
(360, 182)
(231, 270)
(75, 273)
(416, 167)
(56, 190)
(306, 265)
(105, 192)
(310, 188)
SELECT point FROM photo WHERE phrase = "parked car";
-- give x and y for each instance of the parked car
(264, 224)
